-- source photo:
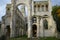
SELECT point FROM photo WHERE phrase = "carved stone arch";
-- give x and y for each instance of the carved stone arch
(22, 7)
(27, 3)
(21, 4)
(18, 2)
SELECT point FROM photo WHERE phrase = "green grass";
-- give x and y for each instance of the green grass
(25, 38)
(49, 38)
(19, 38)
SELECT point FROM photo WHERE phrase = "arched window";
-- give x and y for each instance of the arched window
(21, 8)
(38, 7)
(34, 20)
(8, 9)
(35, 8)
(46, 7)
(45, 24)
(42, 7)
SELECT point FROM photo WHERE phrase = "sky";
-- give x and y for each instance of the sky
(4, 2)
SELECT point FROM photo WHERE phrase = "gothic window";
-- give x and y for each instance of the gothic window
(34, 2)
(34, 8)
(38, 7)
(42, 7)
(34, 20)
(8, 9)
(46, 7)
(45, 24)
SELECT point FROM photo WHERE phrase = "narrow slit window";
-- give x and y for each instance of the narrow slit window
(34, 8)
(38, 7)
(46, 7)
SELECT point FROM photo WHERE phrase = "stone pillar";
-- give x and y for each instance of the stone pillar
(29, 21)
(38, 27)
(36, 8)
(29, 29)
(49, 6)
(12, 22)
(41, 7)
(44, 7)
(41, 28)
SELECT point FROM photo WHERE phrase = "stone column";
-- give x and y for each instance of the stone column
(36, 8)
(41, 7)
(38, 27)
(29, 19)
(12, 22)
(29, 29)
(49, 6)
(41, 28)
(44, 7)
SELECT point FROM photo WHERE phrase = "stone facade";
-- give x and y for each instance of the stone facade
(43, 21)
(40, 21)
(12, 22)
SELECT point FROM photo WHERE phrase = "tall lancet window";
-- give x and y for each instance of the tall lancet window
(35, 8)
(45, 24)
(42, 8)
(46, 7)
(38, 7)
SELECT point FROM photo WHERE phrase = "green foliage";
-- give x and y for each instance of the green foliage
(56, 16)
(54, 11)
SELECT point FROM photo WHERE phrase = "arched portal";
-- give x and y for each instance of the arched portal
(34, 30)
(8, 30)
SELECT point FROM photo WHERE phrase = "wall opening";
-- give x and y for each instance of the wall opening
(8, 30)
(34, 30)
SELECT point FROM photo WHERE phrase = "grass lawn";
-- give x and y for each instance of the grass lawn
(25, 38)
(19, 38)
(49, 38)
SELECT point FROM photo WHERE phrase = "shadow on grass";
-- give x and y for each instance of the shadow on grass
(24, 37)
(49, 38)
(41, 38)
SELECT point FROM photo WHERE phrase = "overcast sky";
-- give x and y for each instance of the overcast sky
(4, 2)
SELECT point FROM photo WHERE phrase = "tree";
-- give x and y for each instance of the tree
(56, 16)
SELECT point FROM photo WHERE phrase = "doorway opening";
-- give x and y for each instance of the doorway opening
(8, 30)
(34, 30)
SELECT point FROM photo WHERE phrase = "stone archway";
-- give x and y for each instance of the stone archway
(8, 30)
(34, 30)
